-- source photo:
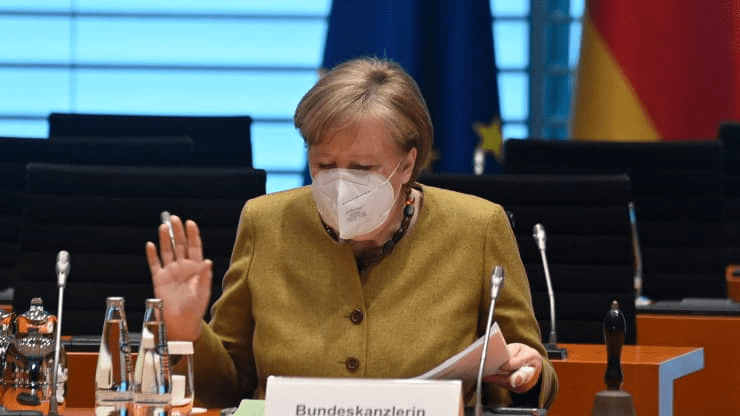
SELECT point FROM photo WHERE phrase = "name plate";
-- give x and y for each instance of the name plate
(299, 396)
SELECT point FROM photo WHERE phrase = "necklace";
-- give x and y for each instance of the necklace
(408, 213)
(373, 255)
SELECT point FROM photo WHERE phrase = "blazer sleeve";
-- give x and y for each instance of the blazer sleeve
(514, 312)
(224, 360)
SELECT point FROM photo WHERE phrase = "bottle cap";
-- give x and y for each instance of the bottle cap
(147, 340)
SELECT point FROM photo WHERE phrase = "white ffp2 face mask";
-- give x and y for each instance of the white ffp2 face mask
(353, 202)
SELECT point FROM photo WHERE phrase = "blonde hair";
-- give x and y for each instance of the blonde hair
(368, 87)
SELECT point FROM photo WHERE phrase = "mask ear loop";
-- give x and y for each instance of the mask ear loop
(408, 185)
(388, 179)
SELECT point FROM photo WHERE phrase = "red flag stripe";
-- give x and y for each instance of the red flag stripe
(679, 57)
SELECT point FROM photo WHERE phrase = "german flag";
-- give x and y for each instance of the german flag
(657, 70)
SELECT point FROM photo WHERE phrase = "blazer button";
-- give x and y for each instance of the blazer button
(352, 364)
(356, 316)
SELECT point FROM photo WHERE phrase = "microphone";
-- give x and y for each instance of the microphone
(553, 352)
(165, 218)
(479, 161)
(497, 280)
(62, 268)
(640, 300)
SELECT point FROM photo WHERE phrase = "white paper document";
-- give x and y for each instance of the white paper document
(464, 365)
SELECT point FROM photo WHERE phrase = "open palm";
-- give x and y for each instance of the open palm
(181, 278)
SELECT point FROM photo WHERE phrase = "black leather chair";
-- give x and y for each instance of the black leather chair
(16, 152)
(11, 210)
(589, 245)
(679, 200)
(219, 141)
(103, 215)
(729, 134)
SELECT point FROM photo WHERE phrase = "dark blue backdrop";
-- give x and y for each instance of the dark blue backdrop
(447, 46)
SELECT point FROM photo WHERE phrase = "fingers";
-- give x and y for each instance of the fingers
(524, 381)
(181, 241)
(194, 243)
(521, 372)
(519, 381)
(501, 379)
(165, 246)
(521, 355)
(187, 242)
(521, 377)
(152, 258)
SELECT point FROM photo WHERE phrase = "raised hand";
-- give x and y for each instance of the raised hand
(181, 278)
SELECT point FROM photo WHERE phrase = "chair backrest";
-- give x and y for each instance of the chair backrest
(11, 209)
(589, 246)
(103, 215)
(678, 192)
(132, 151)
(219, 141)
(729, 134)
(16, 152)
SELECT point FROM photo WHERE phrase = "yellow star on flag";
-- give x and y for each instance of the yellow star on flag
(490, 135)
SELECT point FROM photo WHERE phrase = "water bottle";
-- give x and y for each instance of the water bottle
(152, 380)
(114, 372)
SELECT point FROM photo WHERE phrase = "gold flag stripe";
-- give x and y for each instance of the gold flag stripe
(606, 106)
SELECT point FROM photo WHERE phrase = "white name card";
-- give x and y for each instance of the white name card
(299, 396)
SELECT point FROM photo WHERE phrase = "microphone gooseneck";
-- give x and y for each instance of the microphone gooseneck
(540, 238)
(497, 280)
(553, 352)
(637, 253)
(62, 269)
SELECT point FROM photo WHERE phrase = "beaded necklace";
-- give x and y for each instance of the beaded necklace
(373, 255)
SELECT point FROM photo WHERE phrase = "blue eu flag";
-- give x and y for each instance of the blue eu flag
(447, 46)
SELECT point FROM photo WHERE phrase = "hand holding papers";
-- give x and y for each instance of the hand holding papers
(464, 365)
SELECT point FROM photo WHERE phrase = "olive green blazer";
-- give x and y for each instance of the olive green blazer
(293, 301)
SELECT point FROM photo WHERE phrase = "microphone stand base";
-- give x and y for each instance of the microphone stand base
(613, 403)
(556, 353)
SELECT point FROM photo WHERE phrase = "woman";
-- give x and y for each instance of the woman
(365, 273)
